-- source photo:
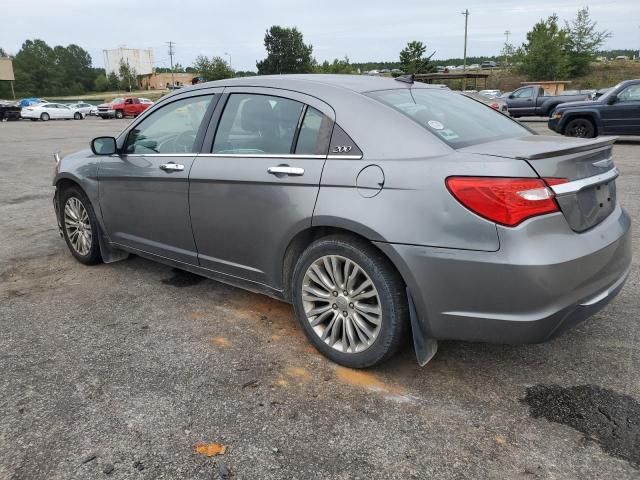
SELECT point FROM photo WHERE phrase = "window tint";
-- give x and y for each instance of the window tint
(526, 93)
(315, 133)
(257, 124)
(630, 94)
(457, 120)
(171, 129)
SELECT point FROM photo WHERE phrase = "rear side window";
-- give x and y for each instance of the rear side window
(315, 133)
(457, 120)
(255, 124)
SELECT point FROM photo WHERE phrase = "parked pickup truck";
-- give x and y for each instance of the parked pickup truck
(616, 112)
(122, 107)
(9, 110)
(532, 101)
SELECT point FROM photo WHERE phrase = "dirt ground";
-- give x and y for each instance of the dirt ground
(134, 370)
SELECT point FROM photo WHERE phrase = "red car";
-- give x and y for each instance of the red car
(122, 107)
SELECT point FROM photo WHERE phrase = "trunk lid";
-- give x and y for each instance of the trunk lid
(590, 194)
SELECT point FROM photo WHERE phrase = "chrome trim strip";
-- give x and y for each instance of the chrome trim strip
(344, 157)
(577, 185)
(159, 155)
(262, 155)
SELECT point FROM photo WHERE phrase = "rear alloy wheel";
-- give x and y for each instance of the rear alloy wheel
(119, 114)
(79, 226)
(77, 116)
(44, 117)
(581, 128)
(350, 301)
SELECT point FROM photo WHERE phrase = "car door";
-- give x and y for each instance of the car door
(52, 110)
(258, 186)
(64, 111)
(144, 189)
(623, 116)
(521, 101)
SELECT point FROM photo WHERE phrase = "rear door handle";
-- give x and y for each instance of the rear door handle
(286, 170)
(172, 167)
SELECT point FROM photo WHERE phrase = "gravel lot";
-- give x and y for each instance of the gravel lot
(121, 370)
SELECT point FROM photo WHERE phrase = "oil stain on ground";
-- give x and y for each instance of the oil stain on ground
(182, 278)
(607, 417)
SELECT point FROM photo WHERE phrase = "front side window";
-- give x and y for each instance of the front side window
(457, 120)
(171, 129)
(257, 124)
(524, 93)
(630, 94)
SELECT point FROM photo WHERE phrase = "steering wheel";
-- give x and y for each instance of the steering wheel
(184, 141)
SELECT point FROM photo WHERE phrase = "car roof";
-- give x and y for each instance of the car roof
(308, 83)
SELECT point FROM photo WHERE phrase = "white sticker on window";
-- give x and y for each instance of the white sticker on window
(436, 125)
(448, 134)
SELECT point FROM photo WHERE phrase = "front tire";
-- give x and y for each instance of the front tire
(581, 128)
(350, 301)
(119, 114)
(79, 226)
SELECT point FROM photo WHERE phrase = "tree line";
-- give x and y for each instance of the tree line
(551, 52)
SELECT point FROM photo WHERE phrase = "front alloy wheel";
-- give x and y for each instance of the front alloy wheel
(341, 304)
(79, 225)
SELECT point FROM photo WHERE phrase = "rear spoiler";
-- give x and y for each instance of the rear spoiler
(582, 146)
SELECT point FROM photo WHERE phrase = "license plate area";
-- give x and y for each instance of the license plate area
(589, 206)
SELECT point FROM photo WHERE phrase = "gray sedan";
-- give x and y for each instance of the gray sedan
(380, 208)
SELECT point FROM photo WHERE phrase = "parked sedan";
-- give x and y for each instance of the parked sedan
(437, 217)
(50, 111)
(493, 102)
(84, 108)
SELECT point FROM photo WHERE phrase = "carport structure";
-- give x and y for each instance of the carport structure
(440, 77)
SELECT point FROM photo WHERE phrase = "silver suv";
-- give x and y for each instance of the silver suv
(377, 207)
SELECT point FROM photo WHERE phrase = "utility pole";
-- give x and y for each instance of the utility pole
(171, 53)
(507, 34)
(464, 63)
(229, 55)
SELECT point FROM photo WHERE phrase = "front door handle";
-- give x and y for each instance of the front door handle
(172, 167)
(286, 170)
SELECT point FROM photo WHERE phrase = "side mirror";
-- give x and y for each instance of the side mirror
(613, 99)
(103, 146)
(511, 96)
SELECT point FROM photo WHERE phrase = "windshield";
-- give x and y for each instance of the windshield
(604, 98)
(457, 120)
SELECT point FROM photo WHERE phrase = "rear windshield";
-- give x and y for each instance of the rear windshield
(457, 120)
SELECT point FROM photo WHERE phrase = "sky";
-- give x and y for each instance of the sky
(363, 30)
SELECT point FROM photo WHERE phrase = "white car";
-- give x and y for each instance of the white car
(146, 100)
(50, 111)
(84, 108)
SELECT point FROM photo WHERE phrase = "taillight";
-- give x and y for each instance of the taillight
(507, 201)
(495, 106)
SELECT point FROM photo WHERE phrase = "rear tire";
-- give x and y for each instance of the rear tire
(79, 226)
(580, 128)
(354, 311)
(77, 116)
(45, 117)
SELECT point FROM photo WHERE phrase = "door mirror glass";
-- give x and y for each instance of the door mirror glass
(103, 146)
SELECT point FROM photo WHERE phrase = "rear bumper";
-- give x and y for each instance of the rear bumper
(536, 286)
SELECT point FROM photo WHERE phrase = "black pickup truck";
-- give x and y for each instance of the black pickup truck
(617, 112)
(9, 110)
(532, 101)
